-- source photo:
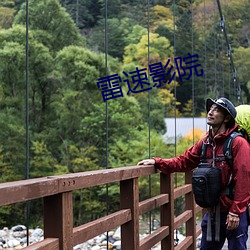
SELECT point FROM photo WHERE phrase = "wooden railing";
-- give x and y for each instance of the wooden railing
(59, 232)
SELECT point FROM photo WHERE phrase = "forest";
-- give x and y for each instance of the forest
(70, 126)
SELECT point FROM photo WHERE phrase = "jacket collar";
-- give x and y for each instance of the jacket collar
(221, 136)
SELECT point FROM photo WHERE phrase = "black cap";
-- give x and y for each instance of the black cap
(223, 103)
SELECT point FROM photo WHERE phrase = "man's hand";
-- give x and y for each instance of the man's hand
(232, 221)
(146, 162)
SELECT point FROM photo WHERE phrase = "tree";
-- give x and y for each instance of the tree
(118, 33)
(242, 64)
(6, 17)
(40, 60)
(12, 124)
(160, 50)
(76, 72)
(84, 13)
(53, 25)
(161, 16)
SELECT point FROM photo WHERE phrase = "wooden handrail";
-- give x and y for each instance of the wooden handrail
(24, 190)
(58, 208)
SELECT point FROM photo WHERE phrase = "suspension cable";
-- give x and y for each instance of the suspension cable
(215, 51)
(221, 45)
(229, 54)
(205, 51)
(222, 67)
(175, 108)
(107, 134)
(193, 97)
(27, 207)
(175, 89)
(149, 121)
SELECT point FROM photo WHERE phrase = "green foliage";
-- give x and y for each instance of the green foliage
(79, 68)
(6, 17)
(123, 119)
(242, 63)
(42, 162)
(160, 50)
(53, 25)
(13, 148)
(84, 13)
(119, 31)
(12, 68)
(81, 160)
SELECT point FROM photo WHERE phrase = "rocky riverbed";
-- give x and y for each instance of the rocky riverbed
(16, 238)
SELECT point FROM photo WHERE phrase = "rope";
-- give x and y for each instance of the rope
(27, 207)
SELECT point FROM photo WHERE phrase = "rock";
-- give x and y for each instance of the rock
(111, 239)
(117, 244)
(18, 247)
(100, 238)
(3, 233)
(91, 242)
(103, 243)
(18, 234)
(117, 234)
(16, 238)
(80, 246)
(23, 240)
(95, 248)
(111, 233)
(38, 232)
(13, 243)
(18, 228)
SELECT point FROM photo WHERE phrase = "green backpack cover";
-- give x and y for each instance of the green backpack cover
(243, 119)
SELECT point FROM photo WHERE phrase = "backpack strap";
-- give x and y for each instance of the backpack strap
(227, 148)
(217, 207)
(227, 151)
(203, 152)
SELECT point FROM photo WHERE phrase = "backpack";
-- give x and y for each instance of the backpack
(206, 185)
(243, 120)
(206, 179)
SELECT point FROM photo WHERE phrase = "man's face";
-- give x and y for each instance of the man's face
(215, 116)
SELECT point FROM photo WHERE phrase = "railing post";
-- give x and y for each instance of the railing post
(167, 210)
(58, 219)
(129, 198)
(190, 205)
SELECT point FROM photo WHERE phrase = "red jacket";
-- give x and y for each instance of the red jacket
(241, 167)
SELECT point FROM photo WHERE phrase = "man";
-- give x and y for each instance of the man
(221, 115)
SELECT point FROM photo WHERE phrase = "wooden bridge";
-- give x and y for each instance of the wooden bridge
(56, 192)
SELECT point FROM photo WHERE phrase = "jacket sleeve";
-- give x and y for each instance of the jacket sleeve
(241, 175)
(185, 162)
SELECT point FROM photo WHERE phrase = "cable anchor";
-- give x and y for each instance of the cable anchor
(222, 24)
